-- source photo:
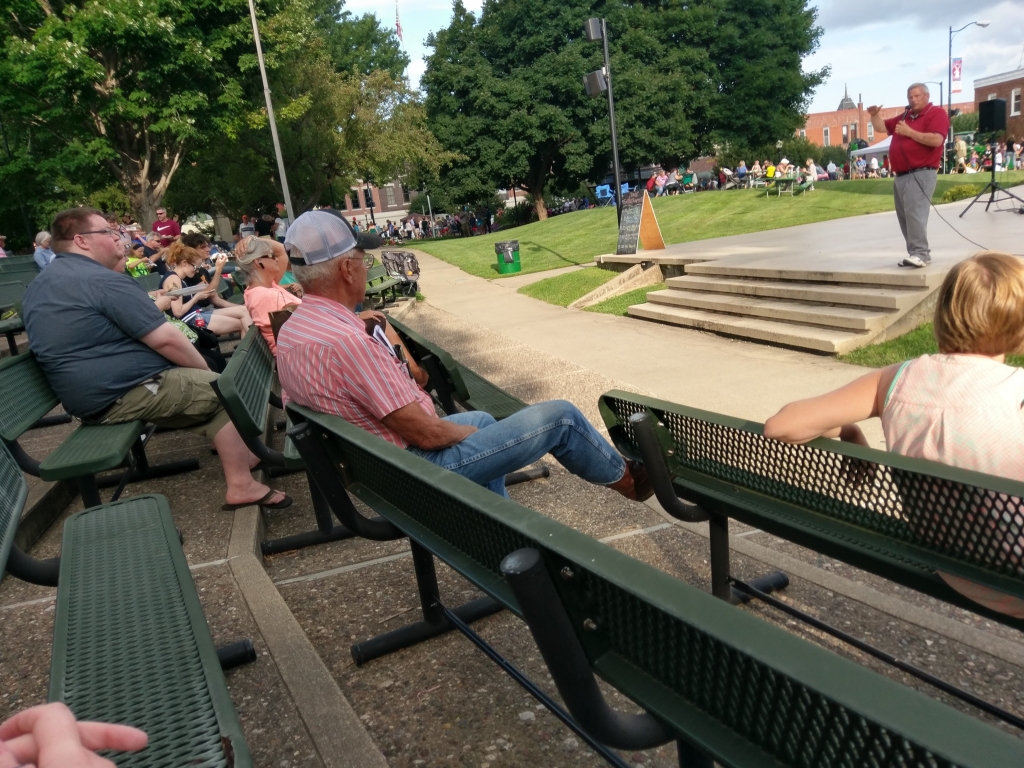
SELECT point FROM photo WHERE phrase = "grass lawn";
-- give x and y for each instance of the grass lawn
(920, 341)
(617, 305)
(576, 238)
(563, 290)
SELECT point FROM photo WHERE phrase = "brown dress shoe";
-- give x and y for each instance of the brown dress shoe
(634, 484)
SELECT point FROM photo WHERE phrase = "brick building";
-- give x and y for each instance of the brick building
(851, 121)
(1005, 86)
(390, 202)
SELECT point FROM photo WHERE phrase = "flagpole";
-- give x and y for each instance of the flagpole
(270, 114)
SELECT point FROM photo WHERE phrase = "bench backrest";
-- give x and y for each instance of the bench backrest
(744, 690)
(245, 384)
(13, 493)
(376, 272)
(27, 395)
(936, 517)
(421, 347)
(150, 282)
(11, 292)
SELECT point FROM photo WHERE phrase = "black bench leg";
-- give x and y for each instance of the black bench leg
(691, 757)
(434, 622)
(525, 475)
(87, 487)
(11, 343)
(721, 579)
(552, 630)
(143, 470)
(326, 529)
(236, 654)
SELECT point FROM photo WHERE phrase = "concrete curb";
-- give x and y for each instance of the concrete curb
(339, 736)
(401, 309)
(978, 639)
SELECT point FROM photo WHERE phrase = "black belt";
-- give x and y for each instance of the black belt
(915, 170)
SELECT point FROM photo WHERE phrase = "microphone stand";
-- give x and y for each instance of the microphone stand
(993, 186)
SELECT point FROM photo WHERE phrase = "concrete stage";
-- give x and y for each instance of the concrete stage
(832, 286)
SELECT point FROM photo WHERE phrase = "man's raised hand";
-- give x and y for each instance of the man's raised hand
(874, 110)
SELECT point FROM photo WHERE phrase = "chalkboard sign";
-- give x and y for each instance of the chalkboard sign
(638, 225)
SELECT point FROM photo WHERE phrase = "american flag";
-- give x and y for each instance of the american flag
(398, 23)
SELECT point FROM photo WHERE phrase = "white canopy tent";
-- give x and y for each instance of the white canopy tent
(875, 149)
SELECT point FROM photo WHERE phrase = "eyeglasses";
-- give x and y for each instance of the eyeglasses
(108, 232)
(367, 259)
(161, 213)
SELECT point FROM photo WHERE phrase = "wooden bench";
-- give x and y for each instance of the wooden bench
(451, 382)
(378, 283)
(90, 449)
(245, 389)
(722, 683)
(130, 641)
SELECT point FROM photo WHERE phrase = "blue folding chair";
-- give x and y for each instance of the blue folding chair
(604, 195)
(625, 189)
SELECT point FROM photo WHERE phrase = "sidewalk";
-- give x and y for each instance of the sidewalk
(702, 370)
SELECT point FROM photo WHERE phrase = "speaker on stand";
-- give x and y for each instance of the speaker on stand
(992, 120)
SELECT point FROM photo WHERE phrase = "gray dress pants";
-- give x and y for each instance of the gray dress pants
(913, 194)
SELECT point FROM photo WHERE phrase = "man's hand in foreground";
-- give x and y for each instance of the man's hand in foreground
(48, 736)
(426, 431)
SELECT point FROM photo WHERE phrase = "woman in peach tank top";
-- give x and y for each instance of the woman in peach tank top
(961, 407)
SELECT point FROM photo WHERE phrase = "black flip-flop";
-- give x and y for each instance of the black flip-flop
(282, 504)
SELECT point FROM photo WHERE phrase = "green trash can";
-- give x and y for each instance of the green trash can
(508, 257)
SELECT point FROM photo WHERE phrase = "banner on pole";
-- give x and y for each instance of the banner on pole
(958, 65)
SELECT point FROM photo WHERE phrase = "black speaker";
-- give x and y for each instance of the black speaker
(992, 116)
(594, 84)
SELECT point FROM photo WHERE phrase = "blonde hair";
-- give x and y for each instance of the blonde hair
(178, 253)
(254, 249)
(980, 307)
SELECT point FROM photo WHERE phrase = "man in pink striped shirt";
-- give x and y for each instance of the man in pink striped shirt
(329, 362)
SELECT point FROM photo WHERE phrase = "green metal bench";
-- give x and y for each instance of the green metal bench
(130, 642)
(245, 389)
(149, 282)
(11, 294)
(906, 520)
(451, 382)
(378, 283)
(722, 683)
(90, 449)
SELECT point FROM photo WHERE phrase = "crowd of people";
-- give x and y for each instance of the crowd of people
(1006, 155)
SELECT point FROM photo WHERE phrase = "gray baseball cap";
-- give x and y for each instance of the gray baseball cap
(318, 236)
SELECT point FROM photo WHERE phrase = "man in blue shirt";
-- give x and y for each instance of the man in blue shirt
(112, 357)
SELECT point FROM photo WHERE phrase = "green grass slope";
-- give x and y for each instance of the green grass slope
(576, 238)
(563, 290)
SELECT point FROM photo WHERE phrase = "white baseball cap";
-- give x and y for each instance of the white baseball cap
(318, 236)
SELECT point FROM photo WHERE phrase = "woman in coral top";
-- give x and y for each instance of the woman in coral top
(264, 263)
(961, 407)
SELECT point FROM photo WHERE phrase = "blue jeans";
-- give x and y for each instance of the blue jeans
(499, 447)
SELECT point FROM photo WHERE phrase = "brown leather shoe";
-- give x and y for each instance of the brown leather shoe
(634, 484)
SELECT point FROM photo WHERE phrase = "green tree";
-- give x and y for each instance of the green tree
(358, 43)
(505, 89)
(965, 122)
(134, 83)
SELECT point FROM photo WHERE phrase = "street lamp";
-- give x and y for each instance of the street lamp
(594, 84)
(949, 107)
(945, 153)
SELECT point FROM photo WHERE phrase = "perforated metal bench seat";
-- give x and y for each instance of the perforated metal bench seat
(90, 449)
(379, 272)
(741, 690)
(471, 390)
(131, 644)
(903, 519)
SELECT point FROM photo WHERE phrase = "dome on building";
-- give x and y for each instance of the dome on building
(847, 102)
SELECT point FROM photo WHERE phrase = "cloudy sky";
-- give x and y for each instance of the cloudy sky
(876, 47)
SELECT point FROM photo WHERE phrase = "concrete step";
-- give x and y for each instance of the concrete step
(823, 315)
(907, 278)
(878, 297)
(832, 340)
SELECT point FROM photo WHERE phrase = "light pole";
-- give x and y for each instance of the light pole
(945, 153)
(949, 106)
(593, 84)
(270, 113)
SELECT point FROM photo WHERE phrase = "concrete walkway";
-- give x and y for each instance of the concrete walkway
(699, 369)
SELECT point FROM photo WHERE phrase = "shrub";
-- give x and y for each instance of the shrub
(960, 192)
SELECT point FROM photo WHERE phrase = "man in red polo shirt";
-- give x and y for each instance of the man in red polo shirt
(918, 136)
